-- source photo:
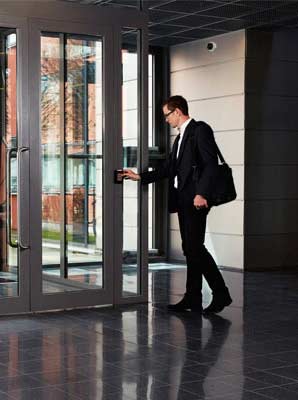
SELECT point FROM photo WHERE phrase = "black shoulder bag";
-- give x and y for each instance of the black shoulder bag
(222, 183)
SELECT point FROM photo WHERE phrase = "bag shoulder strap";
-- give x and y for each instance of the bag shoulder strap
(218, 152)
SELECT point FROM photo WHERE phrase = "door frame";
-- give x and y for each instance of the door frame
(40, 300)
(142, 155)
(32, 19)
(20, 303)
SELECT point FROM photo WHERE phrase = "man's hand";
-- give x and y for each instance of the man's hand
(129, 174)
(200, 202)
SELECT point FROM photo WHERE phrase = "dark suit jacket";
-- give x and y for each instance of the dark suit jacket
(194, 167)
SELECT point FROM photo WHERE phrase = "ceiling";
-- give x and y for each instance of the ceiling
(178, 21)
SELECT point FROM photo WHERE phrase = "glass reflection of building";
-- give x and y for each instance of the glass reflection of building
(80, 136)
(72, 172)
(71, 149)
(8, 141)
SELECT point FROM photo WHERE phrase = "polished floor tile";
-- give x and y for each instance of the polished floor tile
(89, 389)
(278, 393)
(244, 395)
(40, 394)
(21, 382)
(143, 352)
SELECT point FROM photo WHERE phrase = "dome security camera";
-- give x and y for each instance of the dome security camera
(211, 46)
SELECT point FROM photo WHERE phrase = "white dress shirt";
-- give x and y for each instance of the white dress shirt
(181, 130)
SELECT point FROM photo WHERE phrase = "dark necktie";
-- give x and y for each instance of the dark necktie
(177, 153)
(178, 143)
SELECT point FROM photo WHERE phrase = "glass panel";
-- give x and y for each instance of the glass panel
(51, 151)
(84, 173)
(71, 80)
(130, 141)
(9, 271)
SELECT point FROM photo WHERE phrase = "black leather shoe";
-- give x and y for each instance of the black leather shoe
(219, 302)
(184, 305)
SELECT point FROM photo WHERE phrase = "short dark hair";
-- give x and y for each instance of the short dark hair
(177, 102)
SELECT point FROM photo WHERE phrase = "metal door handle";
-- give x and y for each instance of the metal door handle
(21, 150)
(118, 178)
(9, 154)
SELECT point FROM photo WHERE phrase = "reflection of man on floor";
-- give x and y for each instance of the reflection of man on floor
(195, 351)
(208, 348)
(2, 206)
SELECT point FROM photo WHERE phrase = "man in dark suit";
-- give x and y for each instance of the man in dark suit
(189, 169)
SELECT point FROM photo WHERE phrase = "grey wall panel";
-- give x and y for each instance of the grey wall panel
(222, 113)
(174, 221)
(272, 182)
(271, 112)
(231, 144)
(230, 46)
(274, 78)
(267, 46)
(271, 147)
(175, 246)
(271, 251)
(216, 80)
(226, 219)
(271, 157)
(271, 217)
(227, 250)
(238, 176)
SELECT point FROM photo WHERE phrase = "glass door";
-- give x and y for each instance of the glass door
(81, 241)
(71, 162)
(13, 169)
(72, 265)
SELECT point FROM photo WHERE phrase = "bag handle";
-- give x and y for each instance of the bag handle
(222, 160)
(218, 152)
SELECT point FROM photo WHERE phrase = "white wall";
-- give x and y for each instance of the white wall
(213, 84)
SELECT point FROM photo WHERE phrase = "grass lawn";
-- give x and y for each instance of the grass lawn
(54, 235)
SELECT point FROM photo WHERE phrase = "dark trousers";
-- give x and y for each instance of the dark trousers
(199, 261)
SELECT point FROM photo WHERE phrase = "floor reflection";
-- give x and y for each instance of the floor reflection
(140, 352)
